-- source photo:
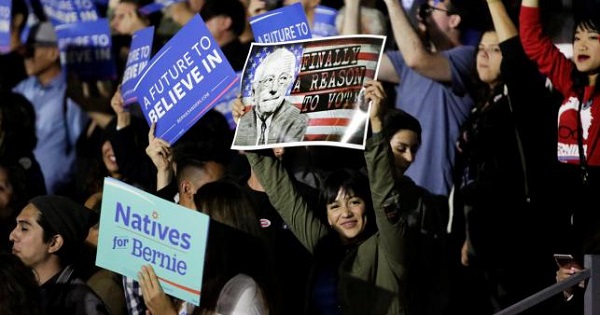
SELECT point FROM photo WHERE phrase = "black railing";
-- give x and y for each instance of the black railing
(591, 272)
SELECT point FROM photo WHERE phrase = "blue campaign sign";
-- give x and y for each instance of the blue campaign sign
(85, 49)
(137, 228)
(324, 22)
(70, 11)
(184, 80)
(137, 60)
(285, 24)
(157, 6)
(30, 20)
(225, 103)
(5, 6)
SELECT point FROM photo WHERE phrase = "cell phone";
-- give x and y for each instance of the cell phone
(564, 260)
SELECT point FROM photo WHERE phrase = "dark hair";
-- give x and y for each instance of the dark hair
(184, 164)
(228, 203)
(96, 207)
(49, 232)
(18, 180)
(134, 169)
(235, 245)
(209, 139)
(233, 9)
(354, 183)
(90, 168)
(18, 123)
(469, 12)
(65, 252)
(395, 120)
(348, 180)
(19, 290)
(481, 91)
(189, 168)
(589, 22)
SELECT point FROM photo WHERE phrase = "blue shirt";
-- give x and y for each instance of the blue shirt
(55, 150)
(441, 108)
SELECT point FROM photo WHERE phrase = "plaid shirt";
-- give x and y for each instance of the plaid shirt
(133, 297)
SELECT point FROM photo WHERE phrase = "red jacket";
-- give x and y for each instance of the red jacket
(557, 68)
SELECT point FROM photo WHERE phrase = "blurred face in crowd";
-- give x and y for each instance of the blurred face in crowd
(270, 91)
(40, 58)
(438, 14)
(586, 50)
(108, 157)
(256, 7)
(217, 25)
(489, 58)
(196, 5)
(180, 12)
(347, 215)
(6, 193)
(125, 20)
(405, 144)
(279, 152)
(28, 238)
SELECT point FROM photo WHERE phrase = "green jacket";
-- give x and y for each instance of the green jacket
(372, 274)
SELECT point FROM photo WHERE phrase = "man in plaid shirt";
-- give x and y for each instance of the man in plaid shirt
(133, 297)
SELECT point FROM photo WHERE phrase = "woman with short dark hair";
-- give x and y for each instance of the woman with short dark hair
(359, 246)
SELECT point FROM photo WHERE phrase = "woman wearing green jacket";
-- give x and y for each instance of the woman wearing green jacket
(360, 252)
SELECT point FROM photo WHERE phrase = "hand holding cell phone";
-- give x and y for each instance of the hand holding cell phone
(564, 260)
(567, 266)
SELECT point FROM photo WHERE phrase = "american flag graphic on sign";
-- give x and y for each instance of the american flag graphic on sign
(257, 55)
(330, 73)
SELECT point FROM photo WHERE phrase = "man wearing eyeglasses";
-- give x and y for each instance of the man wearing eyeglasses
(431, 70)
(273, 119)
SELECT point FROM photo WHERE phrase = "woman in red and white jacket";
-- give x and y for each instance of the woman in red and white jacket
(578, 117)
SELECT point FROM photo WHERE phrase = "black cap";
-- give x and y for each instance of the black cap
(66, 217)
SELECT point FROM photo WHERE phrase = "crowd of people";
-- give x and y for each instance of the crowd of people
(480, 163)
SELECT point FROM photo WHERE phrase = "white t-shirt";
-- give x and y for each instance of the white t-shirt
(240, 296)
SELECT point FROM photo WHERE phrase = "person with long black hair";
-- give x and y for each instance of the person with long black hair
(506, 182)
(578, 151)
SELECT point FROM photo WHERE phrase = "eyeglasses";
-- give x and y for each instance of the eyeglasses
(425, 10)
(283, 79)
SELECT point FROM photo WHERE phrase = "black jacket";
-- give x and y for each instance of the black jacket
(66, 294)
